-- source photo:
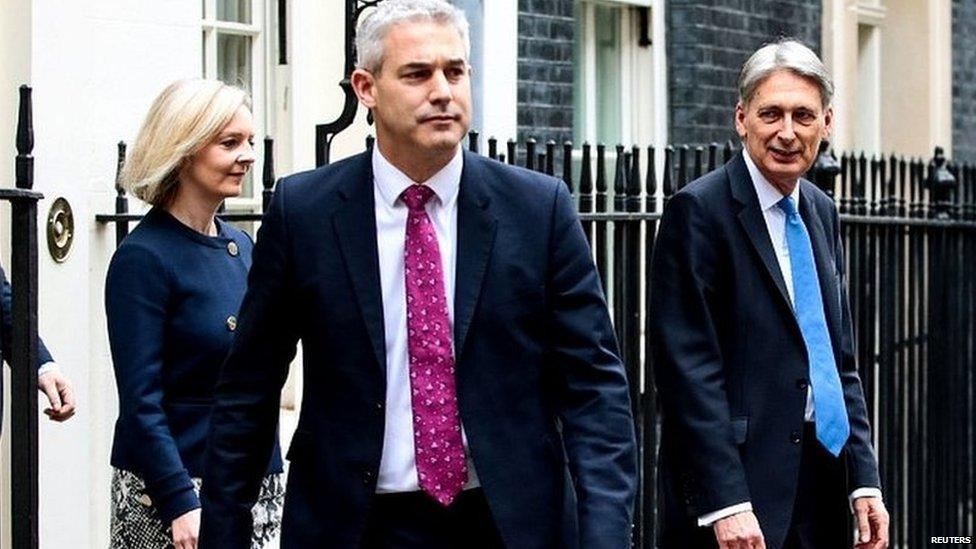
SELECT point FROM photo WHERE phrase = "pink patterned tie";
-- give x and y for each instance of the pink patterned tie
(441, 466)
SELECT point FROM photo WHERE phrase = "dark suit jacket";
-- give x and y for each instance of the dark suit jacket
(540, 385)
(730, 361)
(6, 329)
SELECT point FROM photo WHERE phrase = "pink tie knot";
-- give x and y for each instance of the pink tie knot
(416, 196)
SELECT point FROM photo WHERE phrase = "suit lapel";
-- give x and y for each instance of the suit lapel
(355, 226)
(475, 237)
(822, 257)
(752, 220)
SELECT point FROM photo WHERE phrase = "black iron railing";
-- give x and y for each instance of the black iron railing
(23, 359)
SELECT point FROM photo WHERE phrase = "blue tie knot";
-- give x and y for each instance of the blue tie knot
(788, 207)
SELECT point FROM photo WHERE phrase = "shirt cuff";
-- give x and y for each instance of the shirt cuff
(864, 493)
(715, 516)
(48, 367)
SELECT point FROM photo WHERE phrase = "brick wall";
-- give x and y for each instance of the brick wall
(545, 70)
(708, 41)
(964, 80)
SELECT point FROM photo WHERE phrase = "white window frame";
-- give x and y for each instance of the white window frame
(643, 90)
(871, 16)
(261, 51)
(637, 90)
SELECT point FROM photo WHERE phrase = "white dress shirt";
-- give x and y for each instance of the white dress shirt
(48, 367)
(398, 469)
(775, 218)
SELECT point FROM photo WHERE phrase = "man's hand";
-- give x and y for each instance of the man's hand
(872, 523)
(740, 531)
(186, 529)
(60, 394)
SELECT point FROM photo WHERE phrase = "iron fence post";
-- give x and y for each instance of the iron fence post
(23, 359)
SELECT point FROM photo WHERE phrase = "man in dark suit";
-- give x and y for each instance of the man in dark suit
(765, 433)
(55, 386)
(462, 382)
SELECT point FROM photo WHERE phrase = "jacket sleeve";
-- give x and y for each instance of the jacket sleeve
(7, 321)
(862, 463)
(248, 392)
(597, 424)
(7, 317)
(688, 365)
(136, 296)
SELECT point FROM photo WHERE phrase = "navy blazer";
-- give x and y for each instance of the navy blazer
(170, 294)
(540, 385)
(6, 332)
(730, 361)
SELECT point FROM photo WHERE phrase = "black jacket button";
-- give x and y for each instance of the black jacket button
(795, 437)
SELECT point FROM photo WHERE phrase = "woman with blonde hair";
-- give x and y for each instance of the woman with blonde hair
(172, 294)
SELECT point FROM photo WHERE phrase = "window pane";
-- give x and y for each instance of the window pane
(235, 11)
(579, 78)
(234, 68)
(234, 60)
(608, 82)
(868, 135)
(597, 67)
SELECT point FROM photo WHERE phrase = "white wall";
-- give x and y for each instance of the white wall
(94, 67)
(917, 82)
(500, 70)
(909, 75)
(15, 20)
(14, 70)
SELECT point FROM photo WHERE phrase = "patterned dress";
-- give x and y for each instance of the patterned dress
(135, 524)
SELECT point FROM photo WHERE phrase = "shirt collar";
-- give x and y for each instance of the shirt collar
(768, 195)
(391, 182)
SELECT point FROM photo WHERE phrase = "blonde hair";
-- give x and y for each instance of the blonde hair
(186, 117)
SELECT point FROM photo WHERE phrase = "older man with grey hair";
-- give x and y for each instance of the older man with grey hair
(765, 436)
(462, 383)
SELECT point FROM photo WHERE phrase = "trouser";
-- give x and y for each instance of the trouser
(414, 520)
(821, 514)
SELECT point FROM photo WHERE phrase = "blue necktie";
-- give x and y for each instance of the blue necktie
(833, 427)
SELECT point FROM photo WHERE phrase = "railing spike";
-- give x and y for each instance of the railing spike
(24, 168)
(568, 165)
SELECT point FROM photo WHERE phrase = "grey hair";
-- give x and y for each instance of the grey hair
(785, 54)
(374, 27)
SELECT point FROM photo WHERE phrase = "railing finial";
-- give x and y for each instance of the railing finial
(25, 141)
(940, 183)
(825, 169)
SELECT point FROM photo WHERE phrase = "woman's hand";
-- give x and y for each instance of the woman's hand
(186, 528)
